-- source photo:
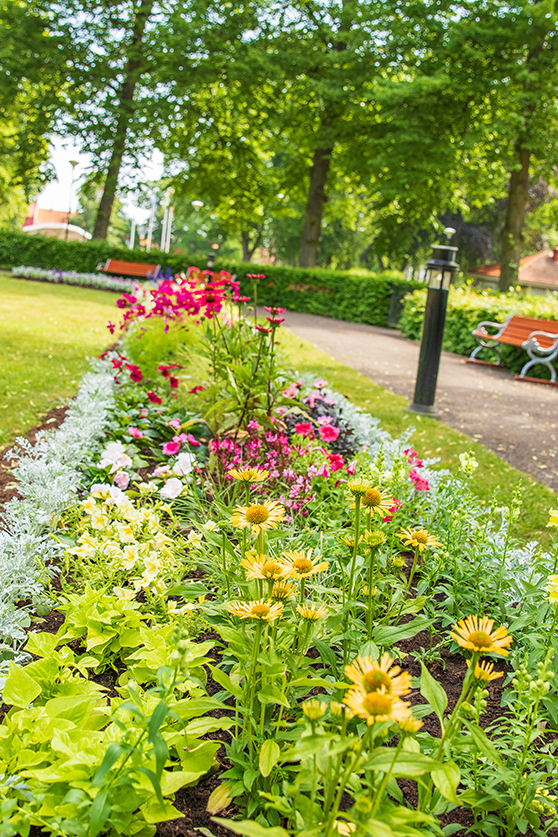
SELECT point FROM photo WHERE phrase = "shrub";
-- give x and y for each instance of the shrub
(468, 307)
(374, 299)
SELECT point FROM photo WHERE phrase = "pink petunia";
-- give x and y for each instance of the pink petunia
(328, 433)
(336, 461)
(393, 510)
(323, 471)
(121, 480)
(194, 442)
(135, 432)
(320, 383)
(291, 391)
(173, 423)
(305, 428)
(170, 448)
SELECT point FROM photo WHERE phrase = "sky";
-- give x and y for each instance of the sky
(56, 195)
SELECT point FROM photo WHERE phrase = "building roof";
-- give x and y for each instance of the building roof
(45, 216)
(537, 270)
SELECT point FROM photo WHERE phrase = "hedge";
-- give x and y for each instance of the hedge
(468, 307)
(375, 299)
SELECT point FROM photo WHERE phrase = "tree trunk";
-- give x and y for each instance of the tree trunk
(315, 207)
(247, 251)
(125, 112)
(512, 234)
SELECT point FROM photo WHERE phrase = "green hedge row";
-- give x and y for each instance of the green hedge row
(374, 299)
(467, 308)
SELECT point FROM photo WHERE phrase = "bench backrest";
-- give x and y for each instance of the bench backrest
(130, 268)
(519, 328)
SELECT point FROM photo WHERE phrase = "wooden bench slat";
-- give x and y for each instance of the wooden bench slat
(129, 268)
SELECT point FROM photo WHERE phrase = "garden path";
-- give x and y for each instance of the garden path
(518, 421)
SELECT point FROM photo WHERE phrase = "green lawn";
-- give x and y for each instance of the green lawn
(46, 333)
(494, 477)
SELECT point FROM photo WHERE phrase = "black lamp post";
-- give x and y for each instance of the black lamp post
(210, 261)
(441, 268)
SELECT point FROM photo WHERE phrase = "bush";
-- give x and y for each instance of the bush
(468, 307)
(375, 299)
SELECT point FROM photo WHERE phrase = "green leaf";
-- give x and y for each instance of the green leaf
(219, 799)
(111, 756)
(434, 693)
(225, 681)
(20, 689)
(446, 779)
(407, 764)
(157, 718)
(98, 813)
(41, 644)
(250, 828)
(386, 635)
(484, 744)
(269, 756)
(154, 781)
(271, 694)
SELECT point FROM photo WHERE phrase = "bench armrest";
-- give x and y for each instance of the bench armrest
(482, 327)
(533, 344)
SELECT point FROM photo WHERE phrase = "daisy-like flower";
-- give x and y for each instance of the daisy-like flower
(553, 514)
(344, 828)
(371, 676)
(260, 516)
(552, 589)
(374, 707)
(265, 611)
(283, 590)
(485, 671)
(263, 568)
(249, 474)
(374, 501)
(314, 709)
(410, 724)
(476, 634)
(312, 612)
(418, 538)
(301, 565)
(358, 486)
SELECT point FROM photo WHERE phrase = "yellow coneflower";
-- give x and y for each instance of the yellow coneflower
(301, 565)
(371, 676)
(418, 538)
(265, 611)
(552, 589)
(312, 612)
(553, 521)
(485, 671)
(374, 539)
(374, 501)
(283, 590)
(250, 475)
(358, 486)
(314, 709)
(374, 707)
(349, 540)
(259, 516)
(475, 633)
(263, 568)
(410, 724)
(344, 828)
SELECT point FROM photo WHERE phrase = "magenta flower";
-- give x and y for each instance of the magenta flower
(135, 432)
(393, 510)
(336, 461)
(154, 398)
(413, 458)
(305, 428)
(170, 448)
(328, 433)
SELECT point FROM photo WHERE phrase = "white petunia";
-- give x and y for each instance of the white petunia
(171, 489)
(184, 464)
(115, 455)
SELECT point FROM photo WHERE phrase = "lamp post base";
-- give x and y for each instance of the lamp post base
(424, 410)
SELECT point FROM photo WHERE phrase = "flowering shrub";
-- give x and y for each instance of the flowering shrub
(70, 277)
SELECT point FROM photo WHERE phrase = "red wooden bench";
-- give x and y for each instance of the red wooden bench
(142, 271)
(538, 337)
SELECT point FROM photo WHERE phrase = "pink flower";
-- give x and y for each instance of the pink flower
(271, 309)
(144, 412)
(320, 383)
(291, 391)
(253, 425)
(194, 390)
(393, 510)
(420, 483)
(351, 469)
(192, 441)
(173, 423)
(336, 461)
(413, 458)
(121, 480)
(328, 433)
(305, 428)
(154, 398)
(111, 327)
(170, 448)
(135, 432)
(323, 471)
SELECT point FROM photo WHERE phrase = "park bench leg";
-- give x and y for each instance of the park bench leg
(493, 347)
(547, 361)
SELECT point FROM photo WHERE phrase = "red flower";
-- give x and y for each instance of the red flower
(173, 382)
(276, 321)
(154, 398)
(255, 275)
(164, 370)
(264, 330)
(395, 508)
(305, 428)
(271, 309)
(194, 390)
(135, 372)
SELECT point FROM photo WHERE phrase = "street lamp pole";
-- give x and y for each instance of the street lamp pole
(73, 164)
(441, 268)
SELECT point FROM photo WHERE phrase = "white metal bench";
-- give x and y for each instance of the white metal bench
(539, 338)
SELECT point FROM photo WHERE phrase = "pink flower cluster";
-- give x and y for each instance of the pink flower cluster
(198, 293)
(326, 431)
(173, 447)
(420, 483)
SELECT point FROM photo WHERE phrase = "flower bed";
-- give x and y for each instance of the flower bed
(270, 586)
(70, 277)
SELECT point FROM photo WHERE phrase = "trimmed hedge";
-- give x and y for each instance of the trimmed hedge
(468, 307)
(375, 299)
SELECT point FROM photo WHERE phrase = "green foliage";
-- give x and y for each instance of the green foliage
(467, 308)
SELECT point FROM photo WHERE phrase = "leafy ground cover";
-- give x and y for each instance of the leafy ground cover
(46, 334)
(259, 591)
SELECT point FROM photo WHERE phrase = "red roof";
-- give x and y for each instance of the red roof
(45, 216)
(537, 269)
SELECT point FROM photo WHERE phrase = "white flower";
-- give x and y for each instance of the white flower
(184, 464)
(123, 594)
(194, 539)
(115, 455)
(99, 490)
(130, 556)
(209, 526)
(171, 489)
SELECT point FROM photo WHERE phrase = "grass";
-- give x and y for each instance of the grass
(46, 333)
(494, 477)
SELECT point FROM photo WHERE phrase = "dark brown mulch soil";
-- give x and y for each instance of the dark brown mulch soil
(8, 486)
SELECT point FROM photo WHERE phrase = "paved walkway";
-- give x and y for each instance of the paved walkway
(518, 421)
